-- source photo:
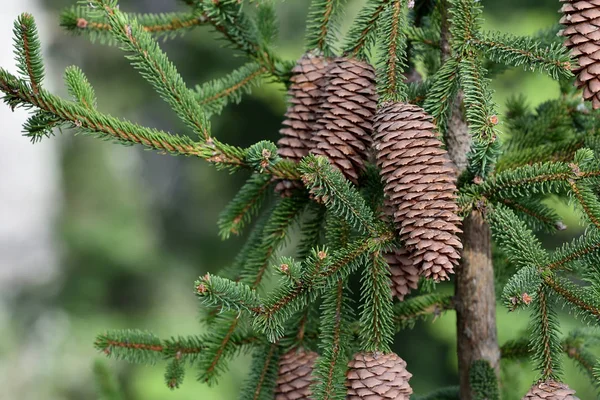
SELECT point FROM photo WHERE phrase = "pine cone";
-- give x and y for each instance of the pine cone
(582, 21)
(373, 376)
(420, 183)
(295, 369)
(347, 115)
(305, 98)
(404, 275)
(550, 390)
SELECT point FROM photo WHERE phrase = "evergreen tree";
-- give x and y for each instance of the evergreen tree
(391, 164)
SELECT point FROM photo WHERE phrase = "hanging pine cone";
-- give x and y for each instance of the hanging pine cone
(550, 390)
(305, 97)
(346, 124)
(420, 183)
(582, 21)
(404, 275)
(294, 379)
(378, 376)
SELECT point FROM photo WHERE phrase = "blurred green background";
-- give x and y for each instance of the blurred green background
(136, 228)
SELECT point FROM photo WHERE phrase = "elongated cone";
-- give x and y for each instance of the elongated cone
(420, 184)
(550, 390)
(295, 375)
(404, 275)
(374, 376)
(345, 127)
(305, 99)
(582, 30)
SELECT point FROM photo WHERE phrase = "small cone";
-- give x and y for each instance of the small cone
(404, 275)
(294, 379)
(374, 376)
(550, 390)
(420, 185)
(305, 98)
(345, 127)
(582, 30)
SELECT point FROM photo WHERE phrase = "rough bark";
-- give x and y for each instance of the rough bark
(475, 298)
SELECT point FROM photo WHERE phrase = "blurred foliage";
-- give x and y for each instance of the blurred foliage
(138, 228)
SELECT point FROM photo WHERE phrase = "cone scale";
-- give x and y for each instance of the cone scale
(550, 390)
(295, 375)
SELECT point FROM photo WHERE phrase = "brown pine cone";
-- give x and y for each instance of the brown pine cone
(582, 21)
(420, 183)
(294, 379)
(404, 275)
(374, 376)
(344, 134)
(305, 98)
(550, 390)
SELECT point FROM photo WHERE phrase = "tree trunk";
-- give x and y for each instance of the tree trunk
(475, 302)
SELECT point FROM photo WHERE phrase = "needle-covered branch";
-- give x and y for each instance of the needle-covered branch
(516, 51)
(362, 35)
(322, 25)
(28, 51)
(154, 65)
(408, 312)
(215, 95)
(81, 20)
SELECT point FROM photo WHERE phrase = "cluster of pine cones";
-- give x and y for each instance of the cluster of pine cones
(374, 376)
(333, 113)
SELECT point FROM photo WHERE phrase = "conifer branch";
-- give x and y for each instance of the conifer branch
(214, 96)
(244, 205)
(587, 199)
(377, 330)
(156, 68)
(442, 92)
(19, 93)
(515, 349)
(330, 368)
(392, 64)
(362, 34)
(79, 87)
(411, 310)
(321, 28)
(586, 248)
(537, 215)
(544, 342)
(575, 349)
(81, 20)
(174, 374)
(263, 373)
(106, 382)
(582, 301)
(516, 51)
(28, 51)
(328, 185)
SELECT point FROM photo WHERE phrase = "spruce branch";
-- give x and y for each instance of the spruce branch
(80, 20)
(227, 17)
(392, 63)
(584, 302)
(544, 340)
(260, 383)
(107, 385)
(517, 349)
(584, 249)
(244, 205)
(330, 368)
(408, 312)
(376, 314)
(576, 346)
(362, 35)
(19, 93)
(156, 68)
(214, 290)
(215, 95)
(321, 26)
(174, 374)
(442, 93)
(586, 199)
(537, 215)
(28, 51)
(483, 380)
(328, 185)
(515, 51)
(79, 87)
(145, 348)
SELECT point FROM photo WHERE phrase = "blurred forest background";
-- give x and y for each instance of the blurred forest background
(95, 236)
